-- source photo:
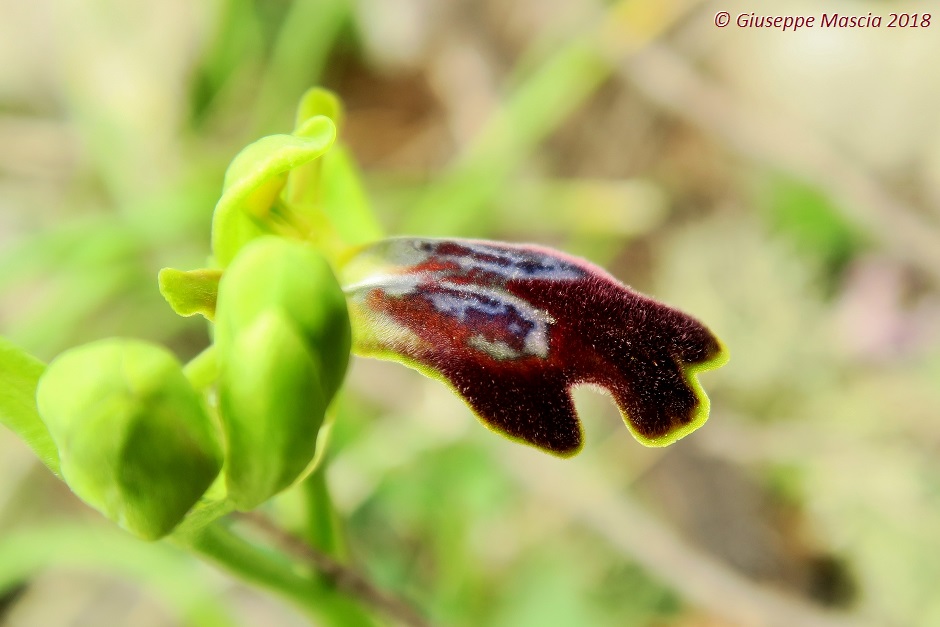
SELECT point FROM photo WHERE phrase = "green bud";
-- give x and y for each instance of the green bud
(274, 273)
(134, 439)
(273, 406)
(255, 179)
(282, 330)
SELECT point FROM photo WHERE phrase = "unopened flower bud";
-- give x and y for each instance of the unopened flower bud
(134, 439)
(284, 339)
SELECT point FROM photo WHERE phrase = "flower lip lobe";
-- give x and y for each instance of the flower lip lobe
(512, 328)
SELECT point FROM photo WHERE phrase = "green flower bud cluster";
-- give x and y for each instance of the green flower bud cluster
(152, 444)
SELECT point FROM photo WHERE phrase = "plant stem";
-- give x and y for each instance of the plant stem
(203, 369)
(273, 571)
(340, 575)
(324, 530)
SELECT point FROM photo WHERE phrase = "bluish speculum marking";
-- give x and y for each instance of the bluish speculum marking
(476, 258)
(499, 324)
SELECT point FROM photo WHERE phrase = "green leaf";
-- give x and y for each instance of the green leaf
(231, 230)
(19, 376)
(305, 40)
(174, 577)
(191, 292)
(134, 439)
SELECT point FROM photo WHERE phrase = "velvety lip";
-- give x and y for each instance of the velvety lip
(511, 328)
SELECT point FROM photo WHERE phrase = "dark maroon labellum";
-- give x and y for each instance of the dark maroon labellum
(511, 328)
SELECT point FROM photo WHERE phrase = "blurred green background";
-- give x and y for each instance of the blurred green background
(782, 187)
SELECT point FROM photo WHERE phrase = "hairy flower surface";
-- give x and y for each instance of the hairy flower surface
(511, 328)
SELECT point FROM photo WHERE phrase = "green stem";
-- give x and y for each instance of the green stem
(275, 572)
(203, 369)
(324, 529)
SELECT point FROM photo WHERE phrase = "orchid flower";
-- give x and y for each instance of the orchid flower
(509, 328)
(299, 277)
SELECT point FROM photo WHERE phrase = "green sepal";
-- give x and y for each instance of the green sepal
(344, 199)
(134, 439)
(191, 292)
(273, 407)
(231, 230)
(255, 179)
(331, 186)
(211, 506)
(318, 101)
(302, 191)
(19, 376)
